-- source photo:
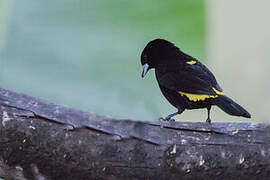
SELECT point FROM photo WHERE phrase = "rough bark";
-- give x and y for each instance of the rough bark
(41, 140)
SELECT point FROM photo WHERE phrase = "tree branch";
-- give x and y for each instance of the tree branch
(41, 140)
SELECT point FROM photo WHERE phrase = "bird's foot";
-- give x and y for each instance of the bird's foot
(208, 120)
(167, 119)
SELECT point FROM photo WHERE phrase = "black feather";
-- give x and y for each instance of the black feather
(176, 74)
(231, 107)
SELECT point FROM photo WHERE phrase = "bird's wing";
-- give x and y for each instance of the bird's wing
(192, 78)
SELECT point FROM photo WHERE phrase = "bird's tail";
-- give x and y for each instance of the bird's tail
(231, 107)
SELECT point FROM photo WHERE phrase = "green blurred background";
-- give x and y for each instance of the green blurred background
(86, 54)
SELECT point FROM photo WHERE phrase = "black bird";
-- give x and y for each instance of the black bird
(184, 81)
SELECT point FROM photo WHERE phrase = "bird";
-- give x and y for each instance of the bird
(184, 81)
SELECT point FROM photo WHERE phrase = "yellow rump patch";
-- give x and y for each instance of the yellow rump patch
(191, 62)
(200, 97)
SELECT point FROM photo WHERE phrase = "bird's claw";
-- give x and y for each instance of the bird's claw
(166, 119)
(208, 121)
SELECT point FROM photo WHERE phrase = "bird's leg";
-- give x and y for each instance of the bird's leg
(208, 120)
(169, 117)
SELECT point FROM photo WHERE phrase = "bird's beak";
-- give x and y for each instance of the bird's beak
(144, 69)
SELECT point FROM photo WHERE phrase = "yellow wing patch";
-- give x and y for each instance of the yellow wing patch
(191, 62)
(196, 97)
(218, 92)
(200, 97)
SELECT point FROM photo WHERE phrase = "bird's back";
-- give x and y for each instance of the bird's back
(187, 75)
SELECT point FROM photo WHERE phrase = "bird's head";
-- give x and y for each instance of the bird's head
(156, 52)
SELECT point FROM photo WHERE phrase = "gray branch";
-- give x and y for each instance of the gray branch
(41, 140)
